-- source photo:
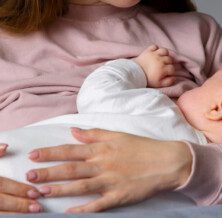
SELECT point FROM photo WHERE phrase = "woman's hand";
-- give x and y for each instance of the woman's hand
(123, 168)
(15, 196)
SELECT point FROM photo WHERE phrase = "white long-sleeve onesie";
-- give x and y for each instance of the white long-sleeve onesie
(120, 87)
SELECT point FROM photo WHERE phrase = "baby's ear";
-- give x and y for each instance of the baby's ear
(215, 111)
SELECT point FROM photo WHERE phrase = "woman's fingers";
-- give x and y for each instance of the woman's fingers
(94, 135)
(74, 152)
(61, 153)
(8, 213)
(76, 188)
(71, 170)
(109, 199)
(11, 187)
(16, 204)
(3, 148)
(14, 197)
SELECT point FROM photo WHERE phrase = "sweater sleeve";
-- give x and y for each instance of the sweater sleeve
(204, 185)
(116, 87)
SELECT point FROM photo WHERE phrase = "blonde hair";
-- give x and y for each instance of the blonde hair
(24, 16)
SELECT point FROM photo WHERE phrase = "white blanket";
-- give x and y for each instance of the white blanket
(56, 131)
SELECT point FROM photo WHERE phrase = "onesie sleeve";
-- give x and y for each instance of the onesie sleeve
(112, 88)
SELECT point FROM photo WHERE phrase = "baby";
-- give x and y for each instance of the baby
(116, 87)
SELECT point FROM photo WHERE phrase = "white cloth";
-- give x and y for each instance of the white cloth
(119, 87)
(113, 97)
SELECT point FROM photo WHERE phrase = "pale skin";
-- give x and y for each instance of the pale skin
(202, 107)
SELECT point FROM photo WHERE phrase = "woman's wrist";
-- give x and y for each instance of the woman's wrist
(183, 162)
(180, 166)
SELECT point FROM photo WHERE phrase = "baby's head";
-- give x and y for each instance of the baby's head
(202, 107)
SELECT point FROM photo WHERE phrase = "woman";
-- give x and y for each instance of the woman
(123, 177)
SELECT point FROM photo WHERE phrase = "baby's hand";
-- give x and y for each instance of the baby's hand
(158, 66)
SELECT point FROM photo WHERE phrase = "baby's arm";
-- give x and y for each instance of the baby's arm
(113, 88)
(120, 86)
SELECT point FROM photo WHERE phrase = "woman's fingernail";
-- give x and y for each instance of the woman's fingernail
(31, 175)
(33, 194)
(3, 146)
(45, 190)
(76, 130)
(34, 155)
(35, 208)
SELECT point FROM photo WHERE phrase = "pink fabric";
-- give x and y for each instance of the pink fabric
(41, 73)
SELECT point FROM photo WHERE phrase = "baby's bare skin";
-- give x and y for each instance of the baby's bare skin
(158, 66)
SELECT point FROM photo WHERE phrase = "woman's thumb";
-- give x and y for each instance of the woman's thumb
(93, 135)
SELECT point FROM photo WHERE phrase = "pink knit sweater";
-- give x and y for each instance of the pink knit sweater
(40, 73)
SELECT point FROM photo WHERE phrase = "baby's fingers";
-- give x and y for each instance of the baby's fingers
(168, 81)
(170, 70)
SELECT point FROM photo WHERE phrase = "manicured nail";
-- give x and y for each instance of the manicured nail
(76, 130)
(33, 194)
(3, 146)
(34, 155)
(31, 175)
(45, 190)
(35, 208)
